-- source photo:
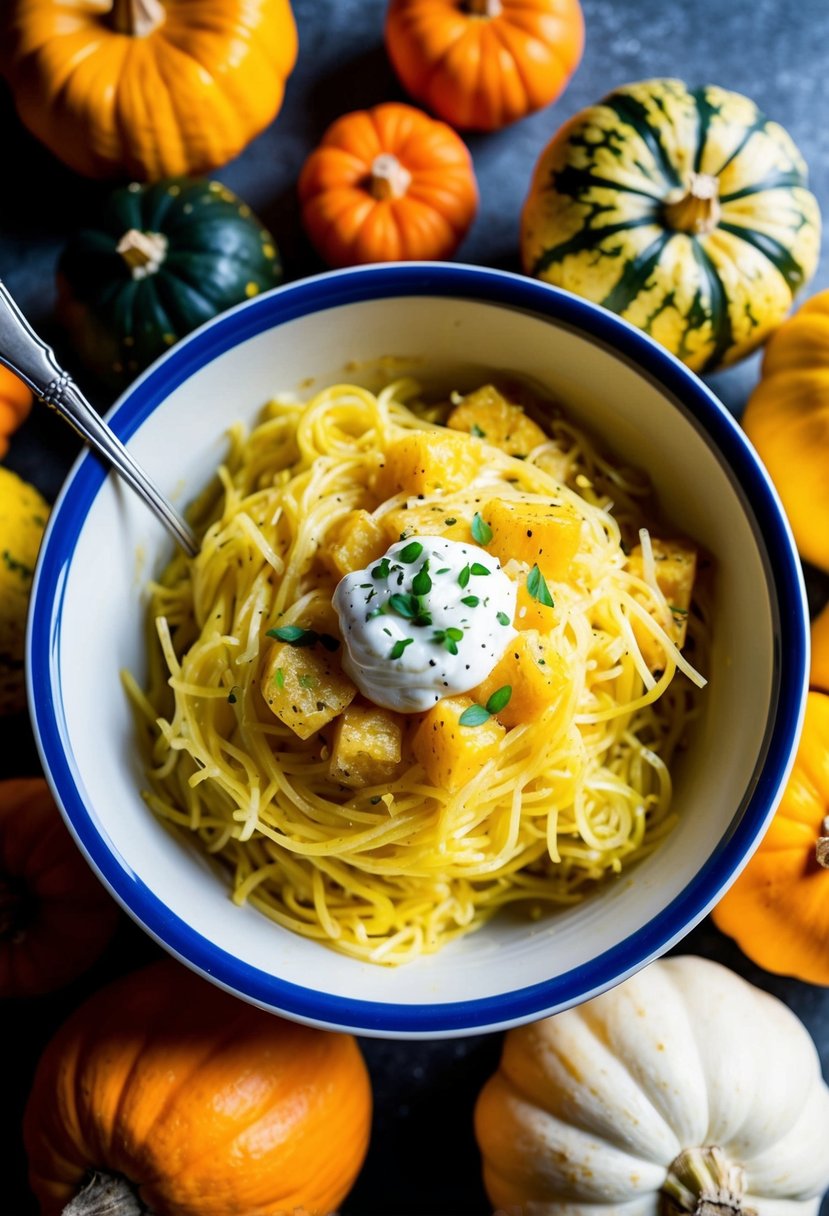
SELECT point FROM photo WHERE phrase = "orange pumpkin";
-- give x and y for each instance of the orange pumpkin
(196, 1103)
(55, 917)
(819, 671)
(387, 184)
(150, 88)
(778, 909)
(482, 64)
(15, 403)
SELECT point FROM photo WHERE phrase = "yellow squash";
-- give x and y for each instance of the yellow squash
(146, 88)
(22, 519)
(685, 211)
(787, 420)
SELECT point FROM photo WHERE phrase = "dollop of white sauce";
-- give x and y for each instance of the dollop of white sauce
(429, 620)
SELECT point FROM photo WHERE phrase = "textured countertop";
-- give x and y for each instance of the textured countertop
(423, 1160)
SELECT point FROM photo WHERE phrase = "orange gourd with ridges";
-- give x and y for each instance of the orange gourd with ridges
(205, 1105)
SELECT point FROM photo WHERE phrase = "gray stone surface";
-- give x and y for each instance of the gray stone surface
(423, 1160)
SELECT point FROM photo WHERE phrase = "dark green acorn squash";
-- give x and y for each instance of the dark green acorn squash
(163, 259)
(684, 210)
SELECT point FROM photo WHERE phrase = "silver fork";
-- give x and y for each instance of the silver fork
(29, 357)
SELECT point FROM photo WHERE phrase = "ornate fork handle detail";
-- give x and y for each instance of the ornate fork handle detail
(23, 352)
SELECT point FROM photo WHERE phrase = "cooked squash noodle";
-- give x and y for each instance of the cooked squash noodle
(399, 868)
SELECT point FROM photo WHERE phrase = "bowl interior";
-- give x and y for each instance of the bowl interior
(88, 624)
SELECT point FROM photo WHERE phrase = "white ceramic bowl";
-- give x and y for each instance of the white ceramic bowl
(438, 321)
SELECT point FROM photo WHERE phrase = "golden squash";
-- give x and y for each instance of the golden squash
(23, 514)
(685, 211)
(147, 88)
(15, 403)
(819, 666)
(787, 420)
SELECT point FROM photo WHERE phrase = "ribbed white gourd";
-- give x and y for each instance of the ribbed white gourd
(684, 1089)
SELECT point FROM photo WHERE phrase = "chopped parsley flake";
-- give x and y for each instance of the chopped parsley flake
(381, 570)
(477, 568)
(476, 431)
(471, 601)
(502, 618)
(463, 577)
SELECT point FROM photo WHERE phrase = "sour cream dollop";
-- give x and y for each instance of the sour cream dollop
(429, 620)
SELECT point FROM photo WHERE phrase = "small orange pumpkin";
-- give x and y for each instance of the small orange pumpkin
(172, 1093)
(387, 184)
(15, 403)
(778, 909)
(55, 917)
(147, 88)
(819, 670)
(482, 64)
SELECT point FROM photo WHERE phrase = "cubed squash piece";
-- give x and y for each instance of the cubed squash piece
(545, 533)
(367, 746)
(452, 754)
(430, 519)
(357, 541)
(675, 566)
(535, 671)
(530, 613)
(425, 462)
(489, 415)
(304, 686)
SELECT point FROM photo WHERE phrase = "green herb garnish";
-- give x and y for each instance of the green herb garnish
(477, 568)
(481, 531)
(411, 553)
(399, 646)
(471, 601)
(295, 635)
(476, 431)
(306, 681)
(421, 583)
(502, 618)
(382, 569)
(463, 577)
(538, 589)
(476, 715)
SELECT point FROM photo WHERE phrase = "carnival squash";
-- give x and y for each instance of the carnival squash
(15, 403)
(55, 917)
(685, 211)
(160, 260)
(23, 515)
(146, 88)
(684, 1089)
(195, 1103)
(787, 420)
(482, 64)
(778, 909)
(388, 184)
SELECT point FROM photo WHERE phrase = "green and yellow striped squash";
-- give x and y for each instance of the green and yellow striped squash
(684, 210)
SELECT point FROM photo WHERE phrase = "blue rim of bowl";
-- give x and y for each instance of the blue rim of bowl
(787, 592)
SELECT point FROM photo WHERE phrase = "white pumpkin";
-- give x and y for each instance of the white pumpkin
(684, 1089)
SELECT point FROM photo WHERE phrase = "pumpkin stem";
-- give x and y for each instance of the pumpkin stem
(106, 1195)
(136, 18)
(143, 252)
(389, 179)
(15, 909)
(696, 210)
(822, 845)
(704, 1182)
(484, 8)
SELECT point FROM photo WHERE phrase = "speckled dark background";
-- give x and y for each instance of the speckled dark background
(423, 1160)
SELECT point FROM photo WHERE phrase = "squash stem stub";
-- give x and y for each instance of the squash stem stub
(136, 18)
(704, 1182)
(106, 1195)
(696, 209)
(389, 179)
(484, 8)
(144, 252)
(822, 845)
